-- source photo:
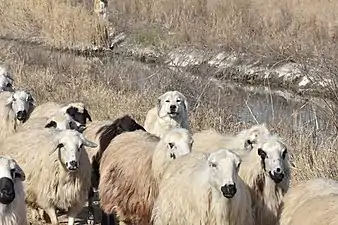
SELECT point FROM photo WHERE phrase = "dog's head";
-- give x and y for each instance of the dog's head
(172, 104)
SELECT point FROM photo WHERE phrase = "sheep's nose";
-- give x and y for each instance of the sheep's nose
(7, 193)
(21, 115)
(277, 175)
(72, 165)
(229, 190)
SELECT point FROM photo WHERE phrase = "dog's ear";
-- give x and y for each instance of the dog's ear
(185, 103)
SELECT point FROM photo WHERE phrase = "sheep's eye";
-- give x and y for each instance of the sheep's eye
(8, 85)
(81, 146)
(284, 153)
(262, 153)
(238, 165)
(167, 101)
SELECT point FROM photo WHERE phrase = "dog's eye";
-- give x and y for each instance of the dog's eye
(178, 100)
(212, 164)
(167, 101)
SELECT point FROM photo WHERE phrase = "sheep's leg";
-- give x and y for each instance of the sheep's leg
(52, 215)
(108, 219)
(90, 219)
(72, 213)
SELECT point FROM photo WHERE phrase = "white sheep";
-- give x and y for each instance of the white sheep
(12, 195)
(57, 169)
(15, 109)
(6, 80)
(170, 112)
(131, 167)
(266, 171)
(313, 202)
(204, 189)
(211, 140)
(60, 121)
(77, 110)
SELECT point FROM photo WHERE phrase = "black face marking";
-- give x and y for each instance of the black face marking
(72, 111)
(87, 115)
(263, 156)
(51, 124)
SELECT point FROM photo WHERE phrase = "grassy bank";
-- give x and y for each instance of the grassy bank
(116, 87)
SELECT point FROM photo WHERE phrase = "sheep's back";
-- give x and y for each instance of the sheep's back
(126, 176)
(46, 109)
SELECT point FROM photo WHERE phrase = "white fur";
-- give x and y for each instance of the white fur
(131, 167)
(160, 120)
(300, 201)
(191, 192)
(15, 212)
(45, 155)
(265, 193)
(10, 104)
(61, 121)
(210, 140)
(49, 109)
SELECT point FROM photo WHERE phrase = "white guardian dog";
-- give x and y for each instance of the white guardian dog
(170, 112)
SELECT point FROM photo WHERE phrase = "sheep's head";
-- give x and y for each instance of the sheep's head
(78, 112)
(70, 145)
(10, 172)
(6, 80)
(179, 142)
(253, 135)
(64, 122)
(22, 103)
(274, 158)
(172, 104)
(224, 166)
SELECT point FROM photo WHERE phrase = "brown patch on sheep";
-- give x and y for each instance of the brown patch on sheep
(138, 194)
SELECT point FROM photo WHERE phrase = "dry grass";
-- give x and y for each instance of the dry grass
(59, 23)
(114, 87)
(289, 28)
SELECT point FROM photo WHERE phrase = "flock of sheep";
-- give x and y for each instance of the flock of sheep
(52, 160)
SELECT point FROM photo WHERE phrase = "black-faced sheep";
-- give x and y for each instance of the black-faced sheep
(210, 140)
(60, 121)
(57, 169)
(12, 195)
(202, 188)
(15, 109)
(171, 111)
(266, 171)
(77, 110)
(103, 132)
(312, 202)
(131, 167)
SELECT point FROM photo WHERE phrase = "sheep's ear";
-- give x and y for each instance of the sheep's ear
(18, 172)
(31, 99)
(87, 143)
(10, 100)
(87, 115)
(51, 124)
(60, 145)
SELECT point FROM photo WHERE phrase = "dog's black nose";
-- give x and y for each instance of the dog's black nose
(172, 107)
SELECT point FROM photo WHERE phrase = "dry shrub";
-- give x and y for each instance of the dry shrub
(59, 23)
(280, 27)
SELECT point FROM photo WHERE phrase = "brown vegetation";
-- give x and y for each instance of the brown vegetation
(115, 87)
